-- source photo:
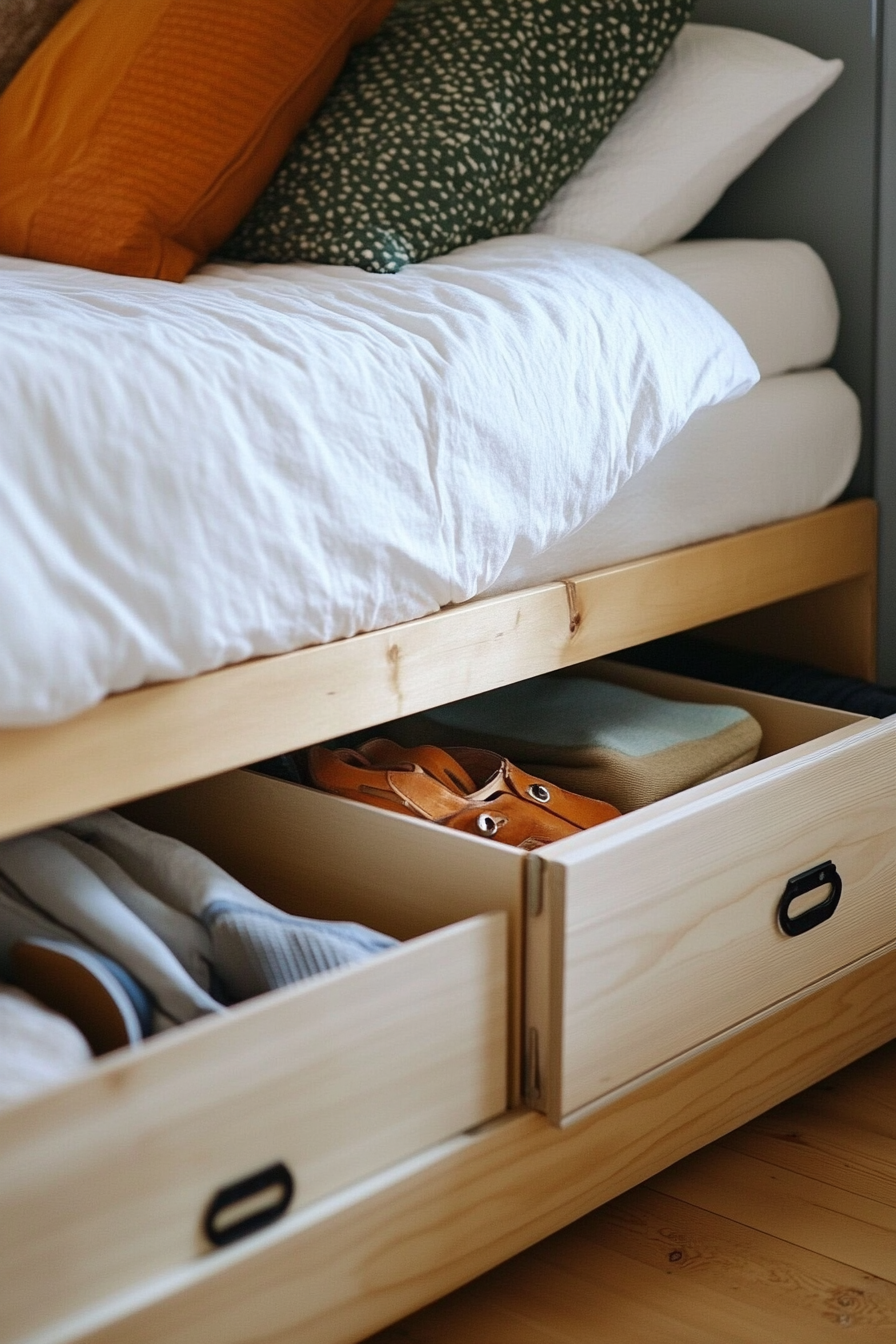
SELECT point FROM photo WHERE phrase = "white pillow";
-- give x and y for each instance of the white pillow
(719, 98)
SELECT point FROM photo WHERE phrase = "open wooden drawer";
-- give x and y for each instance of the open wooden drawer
(647, 940)
(107, 1181)
(652, 936)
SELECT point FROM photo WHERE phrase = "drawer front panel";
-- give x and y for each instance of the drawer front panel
(668, 933)
(323, 856)
(357, 1262)
(105, 1182)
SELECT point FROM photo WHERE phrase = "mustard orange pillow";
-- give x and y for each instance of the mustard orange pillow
(138, 134)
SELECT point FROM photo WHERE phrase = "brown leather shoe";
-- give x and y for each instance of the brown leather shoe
(482, 776)
(433, 761)
(350, 775)
(496, 775)
(469, 789)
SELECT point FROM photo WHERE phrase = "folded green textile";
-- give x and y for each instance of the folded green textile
(595, 738)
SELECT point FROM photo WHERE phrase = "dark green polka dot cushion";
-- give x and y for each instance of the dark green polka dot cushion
(458, 121)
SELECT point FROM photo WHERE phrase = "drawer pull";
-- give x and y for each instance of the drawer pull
(823, 875)
(267, 1195)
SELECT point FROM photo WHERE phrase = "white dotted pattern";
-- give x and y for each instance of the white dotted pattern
(457, 122)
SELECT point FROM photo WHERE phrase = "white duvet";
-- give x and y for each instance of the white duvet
(268, 457)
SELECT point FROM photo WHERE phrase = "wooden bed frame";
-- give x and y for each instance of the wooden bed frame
(812, 577)
(358, 1260)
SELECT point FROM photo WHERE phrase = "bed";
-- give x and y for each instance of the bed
(543, 1072)
(290, 571)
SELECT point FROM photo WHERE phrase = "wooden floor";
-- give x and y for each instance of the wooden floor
(784, 1232)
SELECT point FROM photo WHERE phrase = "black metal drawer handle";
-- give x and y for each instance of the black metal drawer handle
(823, 875)
(276, 1179)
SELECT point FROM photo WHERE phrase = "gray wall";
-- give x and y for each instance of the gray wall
(831, 180)
(885, 436)
(817, 182)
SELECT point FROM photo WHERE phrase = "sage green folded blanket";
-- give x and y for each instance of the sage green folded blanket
(596, 738)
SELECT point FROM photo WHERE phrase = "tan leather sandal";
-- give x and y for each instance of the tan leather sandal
(434, 761)
(495, 775)
(480, 775)
(491, 798)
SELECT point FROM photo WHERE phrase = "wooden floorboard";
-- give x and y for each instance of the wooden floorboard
(783, 1232)
(803, 1210)
(796, 1138)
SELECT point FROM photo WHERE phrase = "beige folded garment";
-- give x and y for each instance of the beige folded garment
(593, 737)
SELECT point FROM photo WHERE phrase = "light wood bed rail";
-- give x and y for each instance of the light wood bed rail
(814, 576)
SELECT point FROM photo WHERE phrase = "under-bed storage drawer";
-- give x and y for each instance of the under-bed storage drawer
(656, 933)
(106, 1181)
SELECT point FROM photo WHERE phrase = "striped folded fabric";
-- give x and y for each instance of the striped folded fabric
(102, 892)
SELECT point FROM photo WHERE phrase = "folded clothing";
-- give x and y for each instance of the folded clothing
(50, 888)
(285, 948)
(596, 738)
(104, 1002)
(37, 1047)
(190, 935)
(258, 948)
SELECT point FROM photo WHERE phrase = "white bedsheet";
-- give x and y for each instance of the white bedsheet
(264, 458)
(775, 292)
(788, 447)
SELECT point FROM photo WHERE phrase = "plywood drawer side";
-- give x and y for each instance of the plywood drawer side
(104, 1182)
(319, 855)
(665, 934)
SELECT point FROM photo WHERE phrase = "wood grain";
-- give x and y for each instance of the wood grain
(107, 1179)
(349, 1262)
(800, 1294)
(803, 1209)
(301, 848)
(651, 1266)
(865, 1087)
(842, 1131)
(697, 1262)
(834, 628)
(155, 738)
(677, 906)
(323, 856)
(356, 1263)
(797, 1138)
(610, 1277)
